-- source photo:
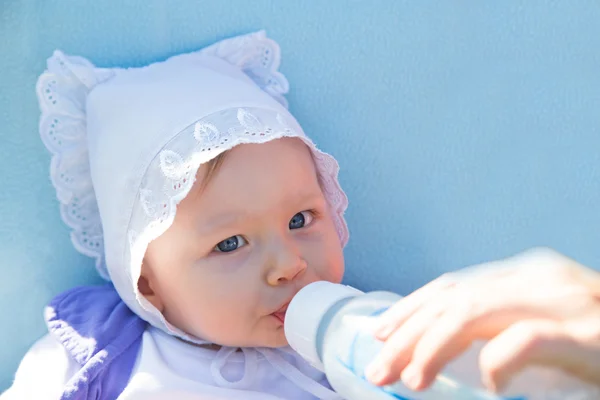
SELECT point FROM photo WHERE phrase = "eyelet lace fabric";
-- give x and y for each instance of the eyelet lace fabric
(259, 57)
(172, 173)
(62, 91)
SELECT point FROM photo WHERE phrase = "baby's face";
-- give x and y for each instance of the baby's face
(240, 249)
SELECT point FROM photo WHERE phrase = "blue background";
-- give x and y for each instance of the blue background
(466, 131)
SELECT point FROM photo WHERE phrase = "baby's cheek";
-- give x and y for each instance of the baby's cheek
(331, 263)
(211, 321)
(231, 328)
(337, 270)
(226, 312)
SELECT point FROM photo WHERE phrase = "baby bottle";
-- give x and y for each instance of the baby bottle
(329, 325)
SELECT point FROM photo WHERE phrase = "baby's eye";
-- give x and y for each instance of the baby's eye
(301, 219)
(230, 244)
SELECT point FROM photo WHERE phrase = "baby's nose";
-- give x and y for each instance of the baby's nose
(287, 266)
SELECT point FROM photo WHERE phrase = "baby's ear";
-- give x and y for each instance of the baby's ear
(148, 289)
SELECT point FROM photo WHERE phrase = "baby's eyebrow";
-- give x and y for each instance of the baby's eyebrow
(229, 218)
(223, 220)
(302, 199)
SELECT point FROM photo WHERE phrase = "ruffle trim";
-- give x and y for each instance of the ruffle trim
(62, 91)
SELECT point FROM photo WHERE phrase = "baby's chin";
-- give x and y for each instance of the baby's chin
(270, 334)
(279, 342)
(270, 339)
(273, 339)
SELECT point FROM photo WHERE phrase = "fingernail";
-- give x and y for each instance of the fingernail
(494, 385)
(383, 331)
(488, 383)
(499, 385)
(411, 377)
(375, 372)
(382, 326)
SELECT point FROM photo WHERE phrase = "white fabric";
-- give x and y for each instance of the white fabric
(171, 369)
(167, 368)
(127, 144)
(43, 372)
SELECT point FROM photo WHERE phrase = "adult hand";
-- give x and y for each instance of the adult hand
(535, 308)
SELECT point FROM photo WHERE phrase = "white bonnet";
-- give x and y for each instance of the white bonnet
(127, 143)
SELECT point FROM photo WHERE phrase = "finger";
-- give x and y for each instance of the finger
(486, 270)
(431, 302)
(446, 339)
(396, 315)
(402, 310)
(523, 343)
(464, 322)
(405, 322)
(397, 350)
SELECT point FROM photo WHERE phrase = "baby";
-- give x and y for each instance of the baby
(206, 207)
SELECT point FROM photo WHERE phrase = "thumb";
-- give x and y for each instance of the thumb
(525, 343)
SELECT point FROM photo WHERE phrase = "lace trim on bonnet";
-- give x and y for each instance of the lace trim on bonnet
(62, 92)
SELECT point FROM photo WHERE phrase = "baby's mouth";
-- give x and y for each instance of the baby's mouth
(280, 314)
